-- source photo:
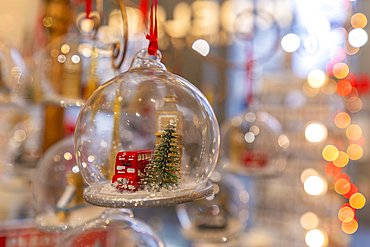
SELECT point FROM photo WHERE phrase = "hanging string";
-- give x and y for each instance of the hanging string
(249, 75)
(153, 31)
(88, 8)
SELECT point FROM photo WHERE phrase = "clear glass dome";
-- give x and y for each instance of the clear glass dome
(119, 126)
(57, 190)
(115, 227)
(220, 217)
(253, 143)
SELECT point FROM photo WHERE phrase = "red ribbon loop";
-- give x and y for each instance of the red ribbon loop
(153, 35)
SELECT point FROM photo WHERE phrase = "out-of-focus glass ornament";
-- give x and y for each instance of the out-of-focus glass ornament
(73, 65)
(219, 218)
(119, 126)
(253, 143)
(115, 227)
(58, 188)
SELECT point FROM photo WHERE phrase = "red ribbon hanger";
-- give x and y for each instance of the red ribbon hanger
(153, 32)
(88, 8)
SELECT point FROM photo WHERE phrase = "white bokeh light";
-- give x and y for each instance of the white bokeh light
(315, 132)
(290, 42)
(314, 185)
(357, 37)
(315, 238)
(318, 26)
(316, 78)
(201, 46)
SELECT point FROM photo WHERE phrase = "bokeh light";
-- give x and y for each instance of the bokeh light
(354, 104)
(358, 20)
(290, 42)
(354, 151)
(318, 26)
(351, 78)
(350, 50)
(308, 173)
(329, 67)
(330, 153)
(338, 144)
(353, 132)
(316, 78)
(329, 87)
(201, 46)
(316, 238)
(315, 132)
(315, 185)
(309, 220)
(357, 37)
(342, 159)
(350, 228)
(342, 186)
(337, 54)
(357, 200)
(342, 176)
(342, 120)
(332, 170)
(344, 88)
(340, 70)
(352, 191)
(339, 35)
(346, 214)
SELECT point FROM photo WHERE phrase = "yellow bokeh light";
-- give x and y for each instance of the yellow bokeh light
(353, 132)
(342, 120)
(342, 159)
(350, 228)
(309, 220)
(346, 214)
(340, 70)
(316, 78)
(358, 20)
(329, 87)
(354, 151)
(65, 48)
(357, 201)
(342, 186)
(330, 153)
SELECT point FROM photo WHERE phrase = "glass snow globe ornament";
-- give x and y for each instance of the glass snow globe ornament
(253, 143)
(218, 219)
(115, 227)
(57, 190)
(146, 138)
(73, 65)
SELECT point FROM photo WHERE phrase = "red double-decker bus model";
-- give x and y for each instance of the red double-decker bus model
(129, 166)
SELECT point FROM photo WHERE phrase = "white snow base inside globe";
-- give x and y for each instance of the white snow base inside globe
(106, 195)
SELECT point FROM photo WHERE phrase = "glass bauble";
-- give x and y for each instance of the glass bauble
(119, 126)
(115, 227)
(57, 190)
(220, 217)
(253, 143)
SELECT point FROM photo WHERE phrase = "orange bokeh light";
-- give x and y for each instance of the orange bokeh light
(350, 228)
(346, 214)
(344, 88)
(340, 70)
(330, 153)
(351, 78)
(332, 170)
(342, 176)
(350, 50)
(342, 186)
(358, 20)
(353, 132)
(342, 120)
(354, 151)
(342, 159)
(360, 141)
(357, 200)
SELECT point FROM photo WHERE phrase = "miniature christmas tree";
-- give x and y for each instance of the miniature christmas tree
(163, 169)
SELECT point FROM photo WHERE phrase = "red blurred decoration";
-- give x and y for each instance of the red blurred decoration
(362, 84)
(329, 67)
(332, 170)
(348, 205)
(360, 141)
(351, 78)
(342, 176)
(351, 191)
(144, 7)
(338, 144)
(344, 88)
